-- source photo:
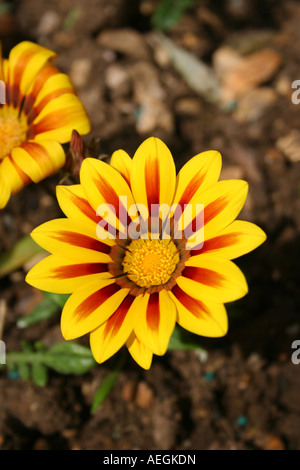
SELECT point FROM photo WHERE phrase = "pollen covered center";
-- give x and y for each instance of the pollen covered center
(13, 129)
(150, 262)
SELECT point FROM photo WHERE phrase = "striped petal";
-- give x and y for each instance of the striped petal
(153, 174)
(39, 159)
(90, 306)
(62, 275)
(74, 204)
(58, 119)
(26, 59)
(72, 239)
(14, 177)
(201, 318)
(108, 338)
(139, 352)
(216, 208)
(196, 175)
(236, 240)
(156, 321)
(56, 85)
(37, 85)
(107, 192)
(212, 278)
(4, 193)
(122, 162)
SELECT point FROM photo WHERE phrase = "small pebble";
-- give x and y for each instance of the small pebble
(144, 395)
(241, 420)
(209, 376)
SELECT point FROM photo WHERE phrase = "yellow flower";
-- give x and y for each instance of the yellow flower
(133, 275)
(40, 111)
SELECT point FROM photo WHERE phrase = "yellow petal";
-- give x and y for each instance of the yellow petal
(236, 240)
(217, 207)
(90, 306)
(14, 177)
(153, 174)
(139, 352)
(4, 193)
(196, 175)
(212, 278)
(54, 84)
(72, 239)
(201, 318)
(59, 118)
(122, 162)
(62, 275)
(39, 159)
(107, 192)
(26, 59)
(156, 321)
(108, 338)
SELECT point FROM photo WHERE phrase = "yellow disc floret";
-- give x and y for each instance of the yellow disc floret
(150, 262)
(12, 130)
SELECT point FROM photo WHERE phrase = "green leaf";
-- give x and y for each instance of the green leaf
(39, 374)
(106, 386)
(45, 309)
(69, 358)
(182, 340)
(169, 13)
(24, 370)
(65, 358)
(104, 389)
(24, 250)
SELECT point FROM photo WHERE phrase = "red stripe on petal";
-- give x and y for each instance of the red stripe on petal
(191, 189)
(39, 82)
(84, 207)
(196, 307)
(51, 122)
(25, 179)
(50, 97)
(83, 241)
(77, 270)
(214, 208)
(91, 303)
(40, 155)
(115, 322)
(152, 181)
(217, 243)
(152, 315)
(203, 276)
(111, 197)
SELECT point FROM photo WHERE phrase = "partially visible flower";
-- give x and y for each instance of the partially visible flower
(131, 279)
(39, 114)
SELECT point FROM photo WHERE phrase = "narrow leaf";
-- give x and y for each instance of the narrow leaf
(106, 386)
(104, 389)
(169, 13)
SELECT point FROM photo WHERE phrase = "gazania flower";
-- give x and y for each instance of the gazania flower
(40, 111)
(137, 259)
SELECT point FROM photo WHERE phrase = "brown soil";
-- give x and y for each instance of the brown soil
(246, 394)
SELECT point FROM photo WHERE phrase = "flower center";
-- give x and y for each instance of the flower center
(13, 130)
(150, 262)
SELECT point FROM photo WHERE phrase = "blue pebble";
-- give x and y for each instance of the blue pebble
(242, 420)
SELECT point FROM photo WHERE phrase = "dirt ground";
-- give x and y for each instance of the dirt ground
(245, 395)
